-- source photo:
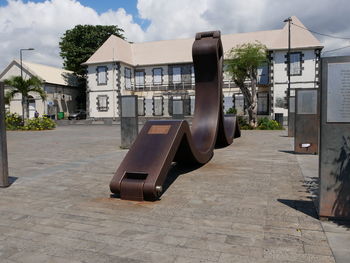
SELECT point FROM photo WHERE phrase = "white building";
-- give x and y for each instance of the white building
(161, 72)
(59, 85)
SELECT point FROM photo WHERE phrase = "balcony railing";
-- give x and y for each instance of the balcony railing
(228, 84)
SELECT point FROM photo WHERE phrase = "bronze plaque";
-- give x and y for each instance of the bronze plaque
(159, 129)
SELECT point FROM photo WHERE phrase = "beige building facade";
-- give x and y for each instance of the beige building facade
(59, 85)
(161, 73)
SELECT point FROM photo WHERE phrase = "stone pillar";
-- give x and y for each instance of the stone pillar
(4, 182)
(128, 120)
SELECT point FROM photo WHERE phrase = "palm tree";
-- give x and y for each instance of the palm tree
(24, 87)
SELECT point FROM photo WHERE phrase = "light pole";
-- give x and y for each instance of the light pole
(289, 20)
(20, 55)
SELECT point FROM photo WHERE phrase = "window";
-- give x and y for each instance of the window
(139, 79)
(102, 103)
(158, 106)
(263, 103)
(101, 75)
(239, 104)
(141, 106)
(192, 75)
(127, 78)
(157, 76)
(295, 63)
(263, 74)
(176, 74)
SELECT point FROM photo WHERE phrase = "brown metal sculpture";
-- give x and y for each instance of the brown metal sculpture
(143, 171)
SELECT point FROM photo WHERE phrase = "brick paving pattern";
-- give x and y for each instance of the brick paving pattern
(248, 204)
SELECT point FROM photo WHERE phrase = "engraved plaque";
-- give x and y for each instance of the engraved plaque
(128, 104)
(338, 92)
(307, 101)
(159, 129)
(178, 108)
(292, 104)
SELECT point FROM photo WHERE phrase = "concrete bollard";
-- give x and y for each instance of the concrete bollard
(129, 124)
(4, 182)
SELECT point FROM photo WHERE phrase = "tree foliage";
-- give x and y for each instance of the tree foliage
(242, 64)
(79, 43)
(24, 87)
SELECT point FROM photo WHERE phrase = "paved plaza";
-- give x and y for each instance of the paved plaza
(250, 203)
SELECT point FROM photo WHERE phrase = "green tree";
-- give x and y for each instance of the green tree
(77, 45)
(242, 64)
(24, 86)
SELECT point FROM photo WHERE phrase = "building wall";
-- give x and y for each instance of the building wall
(111, 89)
(307, 79)
(276, 88)
(63, 98)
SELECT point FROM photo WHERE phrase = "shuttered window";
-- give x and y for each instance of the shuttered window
(101, 75)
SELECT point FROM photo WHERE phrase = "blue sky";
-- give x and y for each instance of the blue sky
(99, 5)
(102, 6)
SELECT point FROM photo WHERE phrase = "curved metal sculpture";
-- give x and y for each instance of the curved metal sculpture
(143, 171)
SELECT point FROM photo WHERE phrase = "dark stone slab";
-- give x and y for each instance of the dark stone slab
(334, 159)
(4, 182)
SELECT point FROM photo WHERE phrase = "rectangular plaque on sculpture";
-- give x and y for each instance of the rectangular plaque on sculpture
(159, 129)
(334, 166)
(307, 101)
(338, 92)
(129, 105)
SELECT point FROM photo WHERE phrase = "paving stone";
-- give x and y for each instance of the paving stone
(248, 204)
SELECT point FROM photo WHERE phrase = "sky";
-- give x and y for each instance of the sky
(40, 24)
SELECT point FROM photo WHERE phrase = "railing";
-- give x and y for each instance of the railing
(228, 84)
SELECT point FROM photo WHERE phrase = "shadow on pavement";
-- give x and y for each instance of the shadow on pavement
(286, 151)
(176, 170)
(11, 180)
(305, 206)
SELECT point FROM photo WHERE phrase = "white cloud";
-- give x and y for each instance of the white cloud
(40, 25)
(182, 18)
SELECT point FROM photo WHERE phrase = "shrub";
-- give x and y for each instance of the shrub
(231, 111)
(267, 124)
(243, 123)
(40, 124)
(13, 121)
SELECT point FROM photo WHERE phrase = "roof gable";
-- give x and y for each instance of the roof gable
(113, 49)
(47, 74)
(180, 50)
